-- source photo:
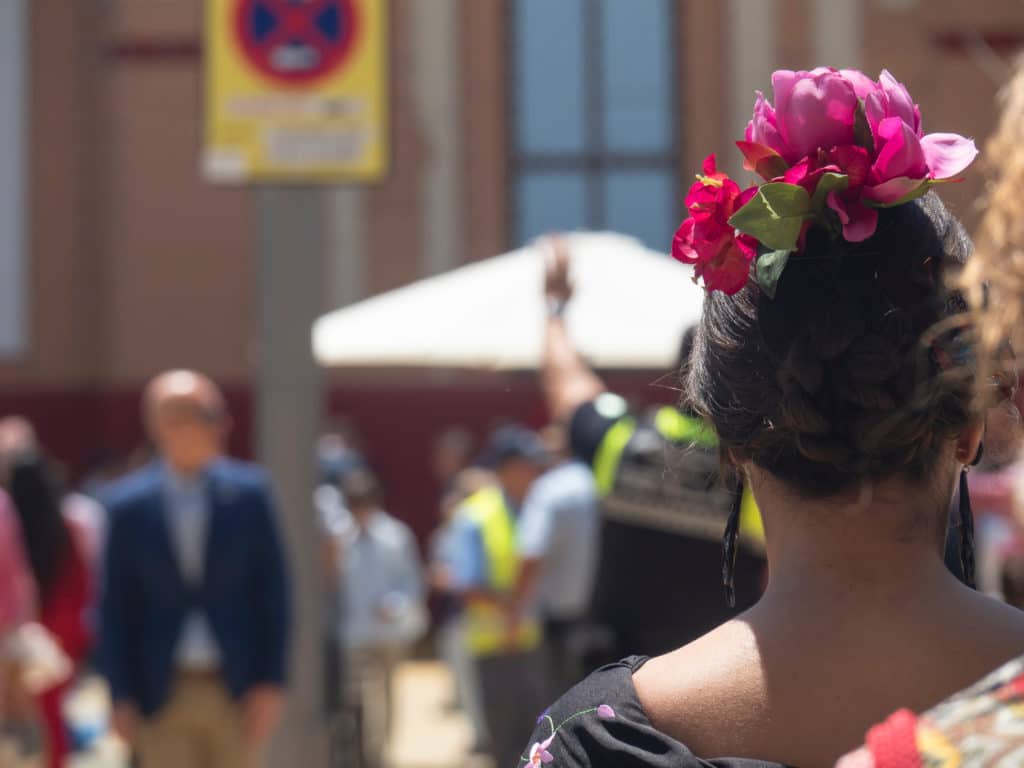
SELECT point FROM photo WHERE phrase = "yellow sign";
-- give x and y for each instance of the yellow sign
(295, 90)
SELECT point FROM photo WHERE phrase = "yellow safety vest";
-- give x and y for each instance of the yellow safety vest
(485, 624)
(677, 427)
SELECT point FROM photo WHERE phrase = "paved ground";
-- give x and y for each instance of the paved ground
(428, 733)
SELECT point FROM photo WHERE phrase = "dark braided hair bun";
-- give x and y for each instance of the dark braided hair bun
(848, 373)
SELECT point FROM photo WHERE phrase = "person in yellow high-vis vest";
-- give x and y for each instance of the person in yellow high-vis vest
(665, 507)
(486, 567)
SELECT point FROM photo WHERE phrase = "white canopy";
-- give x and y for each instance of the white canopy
(629, 310)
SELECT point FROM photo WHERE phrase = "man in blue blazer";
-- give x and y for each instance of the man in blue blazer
(194, 611)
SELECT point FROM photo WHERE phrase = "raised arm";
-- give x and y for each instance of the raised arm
(567, 380)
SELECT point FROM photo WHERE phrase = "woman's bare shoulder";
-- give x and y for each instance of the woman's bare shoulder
(715, 679)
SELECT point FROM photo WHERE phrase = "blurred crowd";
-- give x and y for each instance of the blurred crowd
(155, 582)
(168, 583)
(511, 561)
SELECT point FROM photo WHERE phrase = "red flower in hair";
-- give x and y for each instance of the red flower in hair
(706, 239)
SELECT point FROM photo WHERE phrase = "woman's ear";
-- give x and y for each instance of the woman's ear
(968, 444)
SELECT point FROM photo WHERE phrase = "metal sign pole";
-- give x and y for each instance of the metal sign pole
(289, 404)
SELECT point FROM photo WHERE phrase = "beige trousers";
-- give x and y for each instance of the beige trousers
(368, 706)
(200, 726)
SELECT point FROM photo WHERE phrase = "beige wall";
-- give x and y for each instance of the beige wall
(954, 89)
(60, 273)
(178, 250)
(136, 263)
(484, 120)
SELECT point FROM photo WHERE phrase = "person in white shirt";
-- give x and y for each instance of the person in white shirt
(382, 610)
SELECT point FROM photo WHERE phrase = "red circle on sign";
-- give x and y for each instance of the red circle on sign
(296, 42)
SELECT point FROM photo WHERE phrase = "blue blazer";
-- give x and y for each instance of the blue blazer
(145, 601)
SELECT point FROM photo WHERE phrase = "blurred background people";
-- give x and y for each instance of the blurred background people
(664, 503)
(61, 548)
(558, 541)
(382, 611)
(337, 456)
(994, 501)
(451, 453)
(451, 457)
(19, 720)
(486, 564)
(17, 585)
(195, 604)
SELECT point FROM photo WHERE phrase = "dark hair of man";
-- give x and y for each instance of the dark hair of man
(844, 376)
(361, 488)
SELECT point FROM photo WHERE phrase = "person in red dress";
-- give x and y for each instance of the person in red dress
(55, 548)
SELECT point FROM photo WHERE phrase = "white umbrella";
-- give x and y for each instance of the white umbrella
(629, 310)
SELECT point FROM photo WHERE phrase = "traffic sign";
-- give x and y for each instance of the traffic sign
(296, 42)
(295, 90)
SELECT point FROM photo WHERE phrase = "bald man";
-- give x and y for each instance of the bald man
(194, 608)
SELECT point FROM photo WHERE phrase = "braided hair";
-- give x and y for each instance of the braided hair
(855, 369)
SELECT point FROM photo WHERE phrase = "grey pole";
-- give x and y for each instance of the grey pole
(289, 401)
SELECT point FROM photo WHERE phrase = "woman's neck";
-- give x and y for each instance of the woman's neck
(872, 544)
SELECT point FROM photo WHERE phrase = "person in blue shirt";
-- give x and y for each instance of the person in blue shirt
(382, 609)
(558, 539)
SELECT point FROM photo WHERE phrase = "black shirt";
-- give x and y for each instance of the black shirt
(659, 582)
(601, 724)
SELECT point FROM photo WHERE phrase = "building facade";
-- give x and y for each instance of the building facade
(509, 118)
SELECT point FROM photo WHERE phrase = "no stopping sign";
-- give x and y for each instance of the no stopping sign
(296, 41)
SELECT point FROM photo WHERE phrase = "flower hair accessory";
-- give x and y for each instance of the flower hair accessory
(835, 147)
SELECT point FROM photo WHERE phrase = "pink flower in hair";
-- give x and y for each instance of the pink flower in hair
(833, 148)
(814, 110)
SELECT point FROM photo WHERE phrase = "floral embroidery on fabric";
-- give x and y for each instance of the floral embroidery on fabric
(982, 723)
(539, 754)
(978, 726)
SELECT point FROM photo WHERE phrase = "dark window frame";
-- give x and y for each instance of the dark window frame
(596, 162)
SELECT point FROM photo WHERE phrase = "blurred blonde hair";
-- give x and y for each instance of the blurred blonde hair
(997, 265)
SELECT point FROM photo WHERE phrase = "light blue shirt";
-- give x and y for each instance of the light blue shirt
(560, 525)
(469, 559)
(381, 590)
(188, 518)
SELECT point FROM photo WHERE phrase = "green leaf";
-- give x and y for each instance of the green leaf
(768, 270)
(862, 129)
(829, 182)
(775, 215)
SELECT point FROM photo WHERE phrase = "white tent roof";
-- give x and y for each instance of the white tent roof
(629, 310)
